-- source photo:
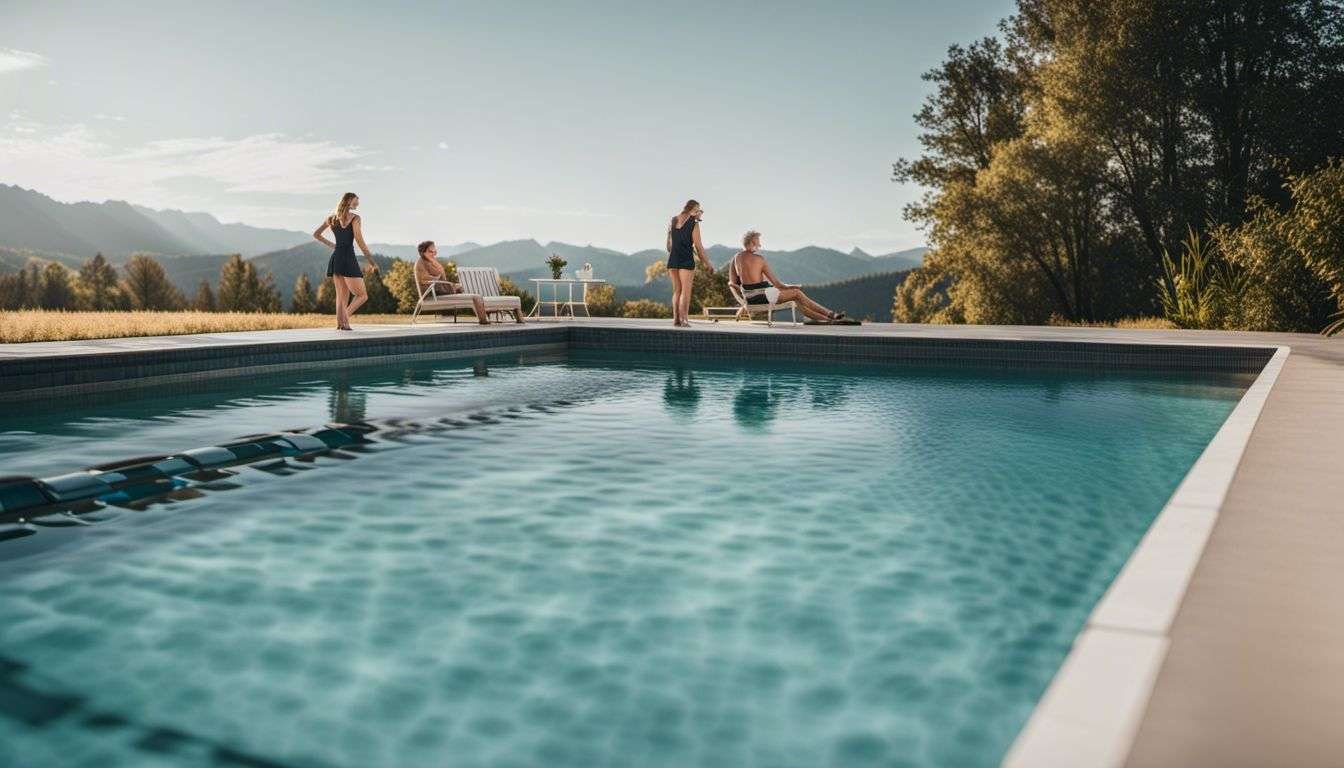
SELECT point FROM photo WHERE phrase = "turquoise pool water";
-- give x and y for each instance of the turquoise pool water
(584, 561)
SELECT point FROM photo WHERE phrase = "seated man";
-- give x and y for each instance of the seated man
(431, 274)
(752, 275)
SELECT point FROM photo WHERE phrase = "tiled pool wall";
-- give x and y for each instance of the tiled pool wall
(1093, 356)
(22, 378)
(75, 374)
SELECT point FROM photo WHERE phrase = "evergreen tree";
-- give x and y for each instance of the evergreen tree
(242, 290)
(303, 301)
(233, 291)
(98, 287)
(16, 291)
(326, 297)
(265, 296)
(57, 292)
(147, 287)
(381, 301)
(204, 301)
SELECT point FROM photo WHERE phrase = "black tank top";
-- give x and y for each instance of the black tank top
(683, 242)
(345, 237)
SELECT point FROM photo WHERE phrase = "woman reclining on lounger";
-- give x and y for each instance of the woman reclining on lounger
(749, 272)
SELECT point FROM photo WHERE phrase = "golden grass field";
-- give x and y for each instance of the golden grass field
(1132, 323)
(49, 325)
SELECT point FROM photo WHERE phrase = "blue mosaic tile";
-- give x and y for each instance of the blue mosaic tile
(174, 465)
(304, 443)
(209, 458)
(76, 486)
(21, 493)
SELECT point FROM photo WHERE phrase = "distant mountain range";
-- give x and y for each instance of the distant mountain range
(193, 246)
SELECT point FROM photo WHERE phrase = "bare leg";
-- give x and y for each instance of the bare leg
(342, 298)
(810, 308)
(358, 295)
(518, 316)
(687, 278)
(673, 275)
(479, 306)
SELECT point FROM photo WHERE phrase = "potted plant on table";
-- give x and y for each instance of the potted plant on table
(557, 265)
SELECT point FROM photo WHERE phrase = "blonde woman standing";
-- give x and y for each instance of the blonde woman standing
(683, 243)
(343, 267)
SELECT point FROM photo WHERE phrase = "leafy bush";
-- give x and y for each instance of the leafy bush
(1197, 292)
(646, 308)
(510, 288)
(602, 300)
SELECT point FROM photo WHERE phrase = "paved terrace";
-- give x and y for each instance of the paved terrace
(1254, 674)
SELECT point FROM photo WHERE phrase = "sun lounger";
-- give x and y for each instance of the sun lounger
(484, 282)
(748, 310)
(431, 301)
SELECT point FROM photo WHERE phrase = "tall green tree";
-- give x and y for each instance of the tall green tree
(17, 290)
(302, 301)
(204, 300)
(241, 289)
(380, 301)
(1123, 125)
(98, 287)
(326, 297)
(57, 287)
(147, 287)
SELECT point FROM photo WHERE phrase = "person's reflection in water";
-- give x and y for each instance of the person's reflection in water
(756, 404)
(347, 405)
(827, 394)
(478, 368)
(422, 373)
(681, 394)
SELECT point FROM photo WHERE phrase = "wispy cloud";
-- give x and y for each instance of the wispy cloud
(14, 60)
(524, 210)
(114, 118)
(443, 145)
(80, 162)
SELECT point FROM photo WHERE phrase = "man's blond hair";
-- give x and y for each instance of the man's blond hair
(751, 237)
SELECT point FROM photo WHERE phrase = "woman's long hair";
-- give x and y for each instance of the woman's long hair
(337, 216)
(691, 205)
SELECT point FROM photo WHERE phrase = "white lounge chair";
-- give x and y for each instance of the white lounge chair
(484, 282)
(748, 310)
(431, 301)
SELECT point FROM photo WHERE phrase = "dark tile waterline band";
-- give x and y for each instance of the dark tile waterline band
(45, 376)
(28, 504)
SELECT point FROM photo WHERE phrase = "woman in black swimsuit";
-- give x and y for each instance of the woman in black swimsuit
(343, 267)
(683, 243)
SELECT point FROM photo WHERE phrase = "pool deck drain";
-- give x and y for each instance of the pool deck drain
(1250, 668)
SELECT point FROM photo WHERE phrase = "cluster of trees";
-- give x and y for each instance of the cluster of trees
(1103, 159)
(140, 284)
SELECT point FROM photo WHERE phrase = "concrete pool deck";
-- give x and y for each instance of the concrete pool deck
(1251, 669)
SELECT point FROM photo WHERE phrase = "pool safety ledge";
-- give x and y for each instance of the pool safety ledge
(1091, 712)
(27, 377)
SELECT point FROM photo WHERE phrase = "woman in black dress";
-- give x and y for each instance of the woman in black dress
(683, 243)
(343, 267)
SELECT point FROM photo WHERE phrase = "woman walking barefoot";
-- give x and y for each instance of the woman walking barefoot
(343, 267)
(683, 243)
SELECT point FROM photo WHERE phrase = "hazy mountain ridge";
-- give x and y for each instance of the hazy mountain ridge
(193, 246)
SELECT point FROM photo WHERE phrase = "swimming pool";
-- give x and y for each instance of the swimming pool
(583, 559)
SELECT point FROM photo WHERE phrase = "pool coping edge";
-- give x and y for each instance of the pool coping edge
(1091, 711)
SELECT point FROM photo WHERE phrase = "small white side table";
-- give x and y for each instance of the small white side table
(556, 303)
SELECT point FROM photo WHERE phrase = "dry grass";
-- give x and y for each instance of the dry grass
(1132, 323)
(45, 325)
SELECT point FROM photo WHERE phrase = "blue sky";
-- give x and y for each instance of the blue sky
(587, 122)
